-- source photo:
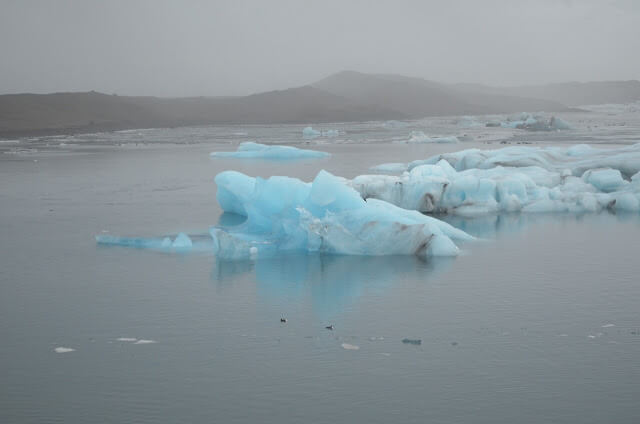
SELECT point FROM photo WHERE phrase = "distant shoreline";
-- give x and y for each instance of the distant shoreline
(343, 97)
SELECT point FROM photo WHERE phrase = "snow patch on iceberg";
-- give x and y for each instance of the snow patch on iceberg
(530, 179)
(252, 150)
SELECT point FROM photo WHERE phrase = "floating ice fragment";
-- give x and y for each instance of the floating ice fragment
(309, 132)
(421, 137)
(182, 241)
(126, 339)
(348, 346)
(63, 350)
(608, 325)
(252, 150)
(143, 341)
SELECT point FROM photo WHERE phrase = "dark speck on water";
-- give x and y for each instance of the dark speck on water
(412, 341)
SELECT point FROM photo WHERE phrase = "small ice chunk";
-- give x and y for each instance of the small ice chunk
(126, 339)
(144, 341)
(182, 241)
(63, 350)
(348, 346)
(421, 137)
(309, 132)
(608, 325)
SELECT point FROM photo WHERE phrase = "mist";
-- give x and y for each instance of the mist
(224, 48)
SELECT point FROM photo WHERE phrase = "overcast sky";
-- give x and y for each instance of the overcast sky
(188, 48)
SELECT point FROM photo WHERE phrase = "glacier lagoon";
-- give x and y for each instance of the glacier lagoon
(539, 316)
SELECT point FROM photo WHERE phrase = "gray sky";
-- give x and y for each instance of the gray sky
(187, 48)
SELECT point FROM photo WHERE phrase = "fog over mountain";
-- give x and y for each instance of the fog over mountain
(240, 47)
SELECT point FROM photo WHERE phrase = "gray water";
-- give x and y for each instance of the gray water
(536, 323)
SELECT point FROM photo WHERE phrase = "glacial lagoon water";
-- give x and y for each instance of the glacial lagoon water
(536, 322)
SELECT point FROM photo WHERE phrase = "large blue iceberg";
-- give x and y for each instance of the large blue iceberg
(529, 179)
(252, 150)
(287, 215)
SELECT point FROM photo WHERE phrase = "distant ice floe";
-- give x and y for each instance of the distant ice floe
(145, 341)
(309, 132)
(63, 350)
(126, 339)
(421, 137)
(529, 179)
(252, 150)
(286, 214)
(533, 122)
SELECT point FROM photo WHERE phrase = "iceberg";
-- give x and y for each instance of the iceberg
(530, 179)
(421, 137)
(327, 216)
(252, 150)
(287, 215)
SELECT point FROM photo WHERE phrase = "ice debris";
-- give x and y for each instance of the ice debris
(286, 214)
(144, 341)
(252, 150)
(348, 346)
(529, 179)
(63, 350)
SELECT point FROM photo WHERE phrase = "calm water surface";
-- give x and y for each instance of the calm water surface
(536, 323)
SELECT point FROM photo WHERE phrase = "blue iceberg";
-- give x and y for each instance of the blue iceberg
(529, 179)
(327, 216)
(252, 150)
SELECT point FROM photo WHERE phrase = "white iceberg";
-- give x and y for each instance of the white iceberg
(252, 150)
(286, 215)
(530, 179)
